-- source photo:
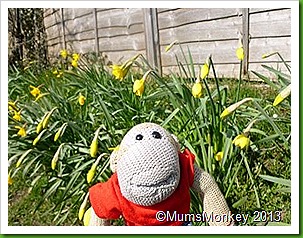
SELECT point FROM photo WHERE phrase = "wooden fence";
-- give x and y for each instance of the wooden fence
(122, 33)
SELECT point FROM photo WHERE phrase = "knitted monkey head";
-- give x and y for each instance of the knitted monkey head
(147, 164)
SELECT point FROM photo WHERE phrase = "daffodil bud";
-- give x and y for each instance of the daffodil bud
(227, 111)
(240, 53)
(282, 95)
(60, 131)
(10, 180)
(167, 48)
(204, 70)
(82, 207)
(197, 90)
(56, 157)
(81, 99)
(22, 157)
(94, 144)
(36, 140)
(46, 119)
(219, 156)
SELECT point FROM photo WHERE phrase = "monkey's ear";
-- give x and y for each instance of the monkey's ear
(176, 142)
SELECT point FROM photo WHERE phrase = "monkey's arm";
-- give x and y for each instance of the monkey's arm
(213, 200)
(91, 219)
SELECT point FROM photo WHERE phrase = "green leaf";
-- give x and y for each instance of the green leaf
(273, 179)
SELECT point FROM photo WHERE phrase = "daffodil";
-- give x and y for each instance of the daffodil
(91, 173)
(219, 156)
(22, 131)
(10, 180)
(94, 144)
(119, 71)
(241, 141)
(197, 89)
(282, 95)
(204, 70)
(74, 63)
(81, 99)
(167, 48)
(268, 55)
(138, 87)
(60, 131)
(35, 90)
(40, 96)
(240, 51)
(40, 124)
(17, 115)
(82, 207)
(36, 140)
(12, 106)
(63, 53)
(56, 157)
(46, 119)
(229, 110)
(76, 57)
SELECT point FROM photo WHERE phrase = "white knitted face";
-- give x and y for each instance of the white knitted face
(148, 169)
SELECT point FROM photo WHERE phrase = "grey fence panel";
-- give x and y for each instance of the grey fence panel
(122, 33)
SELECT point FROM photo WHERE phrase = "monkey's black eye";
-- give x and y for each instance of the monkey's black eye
(139, 137)
(156, 135)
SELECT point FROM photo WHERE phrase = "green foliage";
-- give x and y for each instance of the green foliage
(247, 177)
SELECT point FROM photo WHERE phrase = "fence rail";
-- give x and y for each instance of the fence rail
(122, 33)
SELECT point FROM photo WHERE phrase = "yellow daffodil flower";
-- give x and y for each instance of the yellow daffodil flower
(40, 96)
(74, 63)
(138, 87)
(282, 95)
(35, 90)
(81, 99)
(197, 89)
(94, 144)
(219, 156)
(119, 72)
(22, 131)
(10, 180)
(76, 57)
(40, 124)
(12, 106)
(241, 141)
(240, 53)
(204, 70)
(17, 116)
(63, 53)
(229, 110)
(82, 207)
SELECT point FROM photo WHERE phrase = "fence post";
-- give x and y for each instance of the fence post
(96, 31)
(63, 28)
(152, 39)
(245, 39)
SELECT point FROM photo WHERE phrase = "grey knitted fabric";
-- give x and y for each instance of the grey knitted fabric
(96, 221)
(213, 200)
(147, 165)
(148, 171)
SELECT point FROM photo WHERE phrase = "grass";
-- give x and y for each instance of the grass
(22, 203)
(253, 178)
